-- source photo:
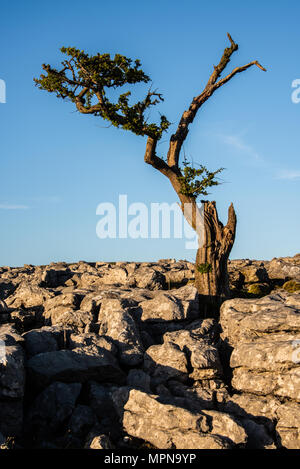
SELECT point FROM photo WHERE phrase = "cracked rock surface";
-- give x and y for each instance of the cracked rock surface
(120, 355)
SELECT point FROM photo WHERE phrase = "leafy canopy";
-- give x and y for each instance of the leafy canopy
(85, 79)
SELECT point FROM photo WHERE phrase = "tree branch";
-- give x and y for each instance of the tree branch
(152, 159)
(188, 204)
(229, 229)
(85, 110)
(238, 70)
(178, 138)
(225, 59)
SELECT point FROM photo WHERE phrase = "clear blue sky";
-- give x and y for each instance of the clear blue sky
(58, 165)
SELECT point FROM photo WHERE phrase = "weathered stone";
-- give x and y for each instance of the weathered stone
(267, 353)
(4, 312)
(189, 298)
(179, 276)
(52, 278)
(28, 296)
(253, 273)
(226, 426)
(88, 280)
(83, 266)
(175, 305)
(147, 277)
(138, 379)
(257, 415)
(12, 373)
(117, 323)
(166, 362)
(78, 365)
(92, 303)
(164, 307)
(284, 268)
(11, 417)
(9, 335)
(285, 384)
(81, 421)
(241, 319)
(195, 397)
(202, 327)
(265, 335)
(115, 276)
(55, 307)
(169, 426)
(203, 355)
(104, 312)
(288, 426)
(90, 338)
(263, 409)
(100, 400)
(236, 278)
(52, 408)
(80, 321)
(24, 320)
(41, 340)
(98, 442)
(257, 435)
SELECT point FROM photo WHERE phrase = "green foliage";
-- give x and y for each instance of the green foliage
(85, 79)
(204, 268)
(195, 181)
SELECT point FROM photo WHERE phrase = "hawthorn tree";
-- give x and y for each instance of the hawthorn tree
(86, 81)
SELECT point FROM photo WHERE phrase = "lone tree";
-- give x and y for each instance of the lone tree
(85, 79)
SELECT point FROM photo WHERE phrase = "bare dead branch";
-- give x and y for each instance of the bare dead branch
(238, 70)
(225, 59)
(177, 139)
(230, 228)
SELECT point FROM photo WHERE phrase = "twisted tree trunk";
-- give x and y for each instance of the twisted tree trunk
(211, 275)
(215, 240)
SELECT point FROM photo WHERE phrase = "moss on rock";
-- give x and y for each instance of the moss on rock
(258, 289)
(291, 286)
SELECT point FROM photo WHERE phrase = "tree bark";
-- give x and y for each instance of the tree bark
(215, 240)
(211, 275)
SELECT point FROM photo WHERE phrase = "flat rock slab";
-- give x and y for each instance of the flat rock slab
(276, 352)
(247, 319)
(284, 384)
(173, 305)
(168, 426)
(77, 365)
